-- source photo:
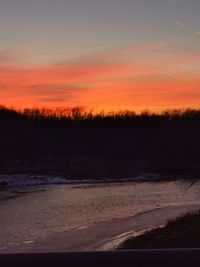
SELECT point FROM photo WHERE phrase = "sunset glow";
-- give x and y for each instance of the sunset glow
(157, 73)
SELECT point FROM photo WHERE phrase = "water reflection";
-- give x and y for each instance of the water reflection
(45, 211)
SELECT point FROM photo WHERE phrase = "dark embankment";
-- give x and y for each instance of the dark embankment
(181, 233)
(79, 144)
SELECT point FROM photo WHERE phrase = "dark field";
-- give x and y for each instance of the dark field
(77, 143)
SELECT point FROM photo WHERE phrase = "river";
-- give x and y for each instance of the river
(88, 217)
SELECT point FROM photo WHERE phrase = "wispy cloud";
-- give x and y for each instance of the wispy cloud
(104, 79)
(186, 27)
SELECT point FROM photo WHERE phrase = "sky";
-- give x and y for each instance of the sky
(109, 54)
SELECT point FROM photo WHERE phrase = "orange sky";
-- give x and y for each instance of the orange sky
(154, 76)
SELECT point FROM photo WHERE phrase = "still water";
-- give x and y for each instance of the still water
(30, 214)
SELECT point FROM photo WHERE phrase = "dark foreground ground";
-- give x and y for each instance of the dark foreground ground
(183, 232)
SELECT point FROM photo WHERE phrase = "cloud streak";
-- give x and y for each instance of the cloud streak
(184, 26)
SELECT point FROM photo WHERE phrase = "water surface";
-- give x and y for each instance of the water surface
(42, 212)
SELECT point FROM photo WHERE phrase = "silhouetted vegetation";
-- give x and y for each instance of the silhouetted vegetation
(78, 142)
(183, 232)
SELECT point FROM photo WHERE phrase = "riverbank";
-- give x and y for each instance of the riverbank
(89, 170)
(25, 180)
(183, 232)
(22, 180)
